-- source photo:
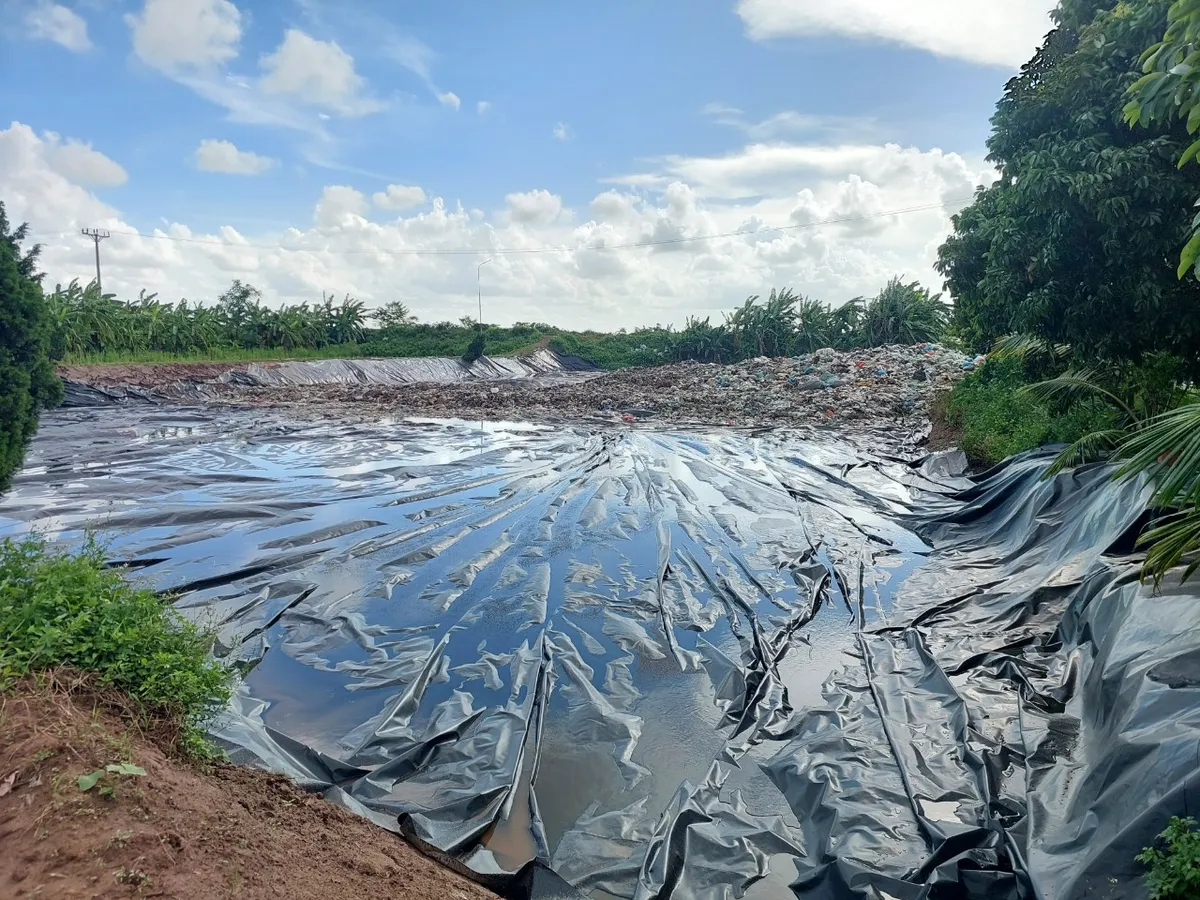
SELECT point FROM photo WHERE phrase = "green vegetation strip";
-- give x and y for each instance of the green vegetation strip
(72, 611)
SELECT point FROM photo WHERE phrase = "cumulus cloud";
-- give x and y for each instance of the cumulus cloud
(63, 26)
(987, 32)
(613, 205)
(186, 34)
(450, 99)
(534, 207)
(81, 163)
(482, 106)
(223, 156)
(823, 221)
(562, 132)
(317, 72)
(399, 197)
(340, 204)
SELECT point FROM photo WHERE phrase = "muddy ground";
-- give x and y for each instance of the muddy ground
(179, 830)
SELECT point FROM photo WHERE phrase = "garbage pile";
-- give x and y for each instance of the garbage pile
(886, 387)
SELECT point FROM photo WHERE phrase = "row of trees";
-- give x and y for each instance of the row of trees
(787, 324)
(87, 322)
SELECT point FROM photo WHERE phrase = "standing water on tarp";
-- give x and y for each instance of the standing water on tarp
(658, 662)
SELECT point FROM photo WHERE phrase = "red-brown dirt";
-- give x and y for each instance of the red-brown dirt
(181, 830)
(146, 375)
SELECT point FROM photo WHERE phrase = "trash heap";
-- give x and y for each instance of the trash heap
(884, 388)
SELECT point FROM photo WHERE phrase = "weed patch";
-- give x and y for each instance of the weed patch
(71, 611)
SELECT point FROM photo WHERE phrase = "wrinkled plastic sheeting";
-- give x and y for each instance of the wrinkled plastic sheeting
(540, 364)
(646, 664)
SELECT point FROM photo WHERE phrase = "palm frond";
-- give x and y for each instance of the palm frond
(1089, 448)
(1169, 542)
(1076, 385)
(1020, 346)
(1167, 450)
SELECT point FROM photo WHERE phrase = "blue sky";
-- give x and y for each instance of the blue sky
(521, 125)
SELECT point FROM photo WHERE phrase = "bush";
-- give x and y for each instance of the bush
(475, 349)
(27, 380)
(72, 611)
(1174, 873)
(997, 419)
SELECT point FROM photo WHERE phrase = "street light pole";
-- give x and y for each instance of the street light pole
(479, 288)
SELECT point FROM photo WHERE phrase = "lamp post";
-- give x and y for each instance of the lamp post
(479, 288)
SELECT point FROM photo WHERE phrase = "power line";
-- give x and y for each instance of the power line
(516, 251)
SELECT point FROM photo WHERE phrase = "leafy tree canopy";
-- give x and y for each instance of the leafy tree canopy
(27, 379)
(1077, 241)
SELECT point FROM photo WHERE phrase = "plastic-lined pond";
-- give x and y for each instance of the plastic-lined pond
(610, 652)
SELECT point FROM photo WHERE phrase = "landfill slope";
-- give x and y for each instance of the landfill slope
(882, 393)
(664, 661)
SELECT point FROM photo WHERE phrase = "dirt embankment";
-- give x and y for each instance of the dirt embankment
(146, 375)
(177, 830)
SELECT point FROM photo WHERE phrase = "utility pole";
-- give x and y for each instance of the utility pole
(97, 236)
(479, 287)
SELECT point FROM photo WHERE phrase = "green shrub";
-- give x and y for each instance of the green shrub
(475, 349)
(27, 380)
(997, 419)
(60, 610)
(1174, 872)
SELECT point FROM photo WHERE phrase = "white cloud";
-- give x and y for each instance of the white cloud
(534, 207)
(788, 123)
(186, 34)
(399, 197)
(317, 72)
(223, 156)
(562, 132)
(797, 186)
(613, 205)
(450, 99)
(988, 32)
(339, 205)
(51, 22)
(482, 107)
(82, 164)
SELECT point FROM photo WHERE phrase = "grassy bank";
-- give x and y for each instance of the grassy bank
(995, 418)
(71, 612)
(644, 347)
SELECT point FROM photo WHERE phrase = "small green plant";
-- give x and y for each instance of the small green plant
(125, 769)
(71, 610)
(1174, 871)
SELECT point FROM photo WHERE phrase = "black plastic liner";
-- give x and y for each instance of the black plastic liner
(648, 664)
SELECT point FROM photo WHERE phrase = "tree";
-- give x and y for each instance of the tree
(393, 315)
(903, 314)
(1170, 91)
(27, 380)
(1075, 241)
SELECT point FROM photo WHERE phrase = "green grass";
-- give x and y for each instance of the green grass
(997, 420)
(646, 347)
(219, 354)
(69, 610)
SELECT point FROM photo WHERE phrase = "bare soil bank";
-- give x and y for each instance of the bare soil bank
(178, 830)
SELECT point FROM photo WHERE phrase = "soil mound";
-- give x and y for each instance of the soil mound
(177, 830)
